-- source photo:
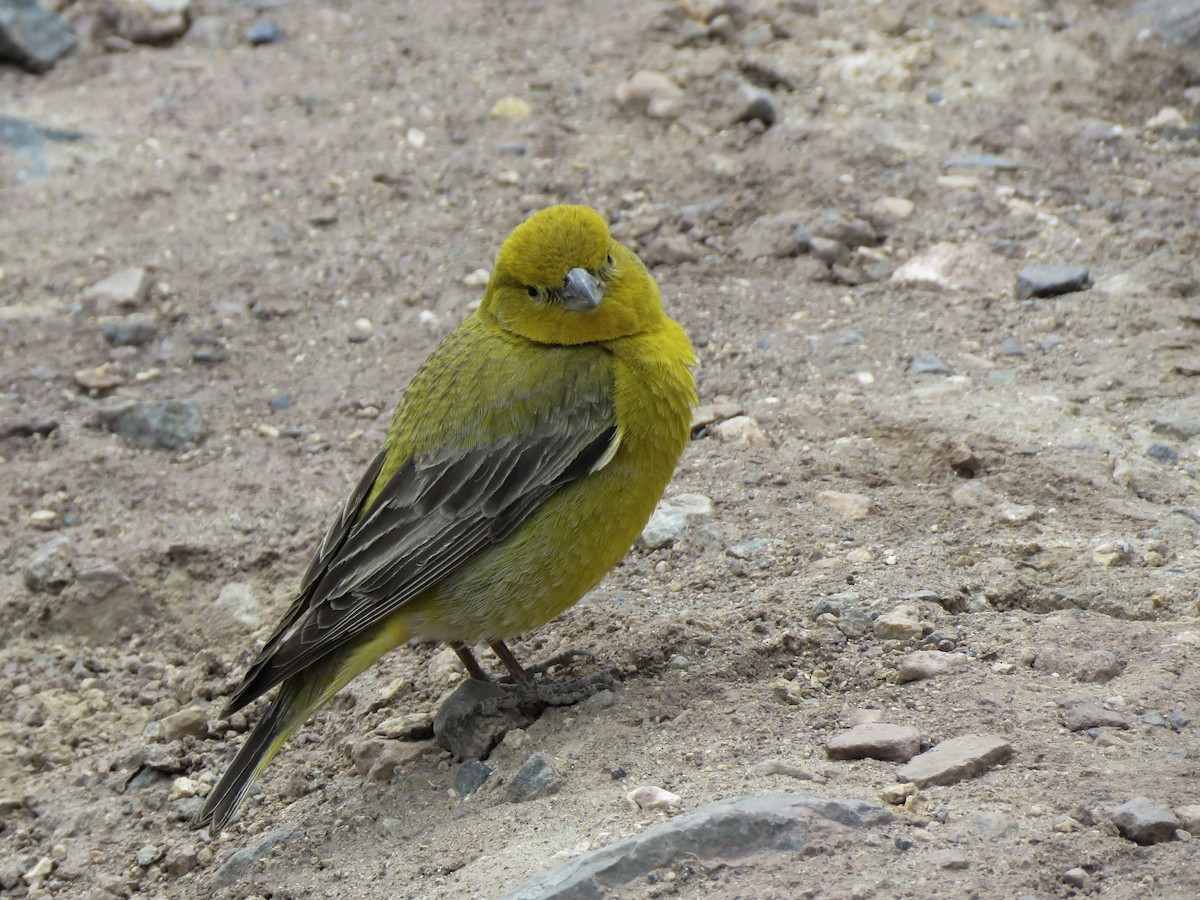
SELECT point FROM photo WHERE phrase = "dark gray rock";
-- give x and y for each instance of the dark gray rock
(852, 231)
(754, 103)
(238, 863)
(1180, 429)
(470, 777)
(1144, 821)
(1079, 712)
(131, 332)
(1050, 281)
(473, 719)
(32, 36)
(264, 32)
(50, 569)
(926, 363)
(726, 830)
(157, 424)
(536, 778)
(1162, 452)
(1177, 21)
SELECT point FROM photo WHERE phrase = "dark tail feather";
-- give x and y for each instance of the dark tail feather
(261, 746)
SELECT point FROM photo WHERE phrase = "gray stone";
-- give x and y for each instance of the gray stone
(855, 621)
(49, 570)
(754, 103)
(99, 602)
(470, 777)
(926, 363)
(32, 36)
(148, 855)
(1080, 712)
(894, 743)
(415, 726)
(672, 519)
(1076, 876)
(378, 759)
(159, 424)
(722, 831)
(126, 288)
(994, 826)
(779, 235)
(922, 664)
(182, 857)
(1177, 21)
(1050, 281)
(536, 778)
(131, 332)
(238, 863)
(1144, 821)
(1189, 817)
(955, 760)
(476, 716)
(1180, 429)
(1083, 665)
(1162, 452)
(779, 767)
(852, 231)
(191, 722)
(264, 32)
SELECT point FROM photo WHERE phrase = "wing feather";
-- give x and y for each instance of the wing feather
(434, 514)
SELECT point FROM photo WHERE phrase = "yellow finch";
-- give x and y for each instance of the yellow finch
(522, 462)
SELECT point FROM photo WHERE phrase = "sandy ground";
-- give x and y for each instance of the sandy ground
(1034, 497)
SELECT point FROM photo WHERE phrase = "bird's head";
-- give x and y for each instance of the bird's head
(560, 278)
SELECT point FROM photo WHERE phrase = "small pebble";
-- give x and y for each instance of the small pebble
(650, 797)
(1076, 877)
(1162, 452)
(264, 32)
(925, 363)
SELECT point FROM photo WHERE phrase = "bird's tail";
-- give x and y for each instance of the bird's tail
(299, 697)
(283, 717)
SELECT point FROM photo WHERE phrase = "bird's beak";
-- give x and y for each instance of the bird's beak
(581, 291)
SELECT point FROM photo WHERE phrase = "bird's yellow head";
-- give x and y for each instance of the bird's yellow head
(560, 278)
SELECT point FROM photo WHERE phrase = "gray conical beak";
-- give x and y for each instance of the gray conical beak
(581, 291)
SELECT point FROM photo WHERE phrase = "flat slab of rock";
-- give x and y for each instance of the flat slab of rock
(33, 36)
(924, 664)
(1079, 712)
(1144, 821)
(726, 830)
(1082, 665)
(875, 740)
(1050, 281)
(956, 760)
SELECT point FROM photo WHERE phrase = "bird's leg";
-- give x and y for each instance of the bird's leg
(559, 659)
(520, 676)
(471, 663)
(558, 692)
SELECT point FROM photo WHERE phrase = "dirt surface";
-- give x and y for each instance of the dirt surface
(1033, 498)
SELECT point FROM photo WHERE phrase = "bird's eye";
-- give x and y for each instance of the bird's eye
(531, 291)
(608, 259)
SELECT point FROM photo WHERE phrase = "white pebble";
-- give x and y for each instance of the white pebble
(649, 797)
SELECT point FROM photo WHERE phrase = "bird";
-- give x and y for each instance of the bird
(523, 460)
